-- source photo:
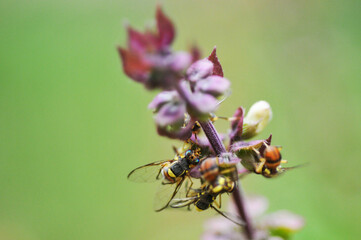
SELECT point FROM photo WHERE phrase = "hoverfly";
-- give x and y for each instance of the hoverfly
(269, 161)
(172, 174)
(211, 168)
(205, 197)
(219, 178)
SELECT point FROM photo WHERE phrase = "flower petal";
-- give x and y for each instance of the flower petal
(257, 118)
(171, 113)
(201, 105)
(214, 85)
(180, 61)
(199, 70)
(163, 98)
(182, 134)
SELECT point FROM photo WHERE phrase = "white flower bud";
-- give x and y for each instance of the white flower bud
(257, 118)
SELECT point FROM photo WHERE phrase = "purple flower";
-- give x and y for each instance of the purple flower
(283, 223)
(190, 93)
(278, 225)
(196, 98)
(148, 58)
(206, 84)
(170, 109)
(200, 70)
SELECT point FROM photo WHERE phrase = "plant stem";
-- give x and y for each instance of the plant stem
(219, 148)
(237, 193)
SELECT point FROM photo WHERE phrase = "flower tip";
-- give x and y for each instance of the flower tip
(122, 52)
(166, 28)
(217, 69)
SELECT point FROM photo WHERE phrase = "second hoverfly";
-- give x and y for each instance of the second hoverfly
(172, 173)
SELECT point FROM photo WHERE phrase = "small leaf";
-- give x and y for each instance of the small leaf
(134, 65)
(217, 69)
(166, 29)
(136, 41)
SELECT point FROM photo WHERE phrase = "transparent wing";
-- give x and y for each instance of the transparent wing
(147, 173)
(190, 196)
(230, 217)
(166, 192)
(182, 202)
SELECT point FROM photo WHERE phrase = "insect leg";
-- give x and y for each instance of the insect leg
(260, 165)
(190, 187)
(159, 173)
(175, 150)
(256, 151)
(219, 204)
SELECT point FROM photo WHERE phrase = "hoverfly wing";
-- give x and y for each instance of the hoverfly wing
(284, 169)
(182, 202)
(229, 216)
(147, 173)
(186, 195)
(165, 194)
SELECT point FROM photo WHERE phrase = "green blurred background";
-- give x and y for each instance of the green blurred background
(72, 125)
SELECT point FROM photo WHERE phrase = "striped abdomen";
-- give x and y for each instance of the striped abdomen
(273, 157)
(209, 169)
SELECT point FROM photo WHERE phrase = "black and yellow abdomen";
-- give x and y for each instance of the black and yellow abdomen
(204, 201)
(175, 170)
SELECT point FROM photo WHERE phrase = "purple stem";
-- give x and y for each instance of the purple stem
(219, 148)
(237, 193)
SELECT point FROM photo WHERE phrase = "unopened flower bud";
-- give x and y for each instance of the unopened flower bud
(257, 118)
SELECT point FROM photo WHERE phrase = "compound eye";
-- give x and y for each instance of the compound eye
(188, 153)
(197, 160)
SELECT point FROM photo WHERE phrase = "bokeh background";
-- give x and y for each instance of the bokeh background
(72, 125)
